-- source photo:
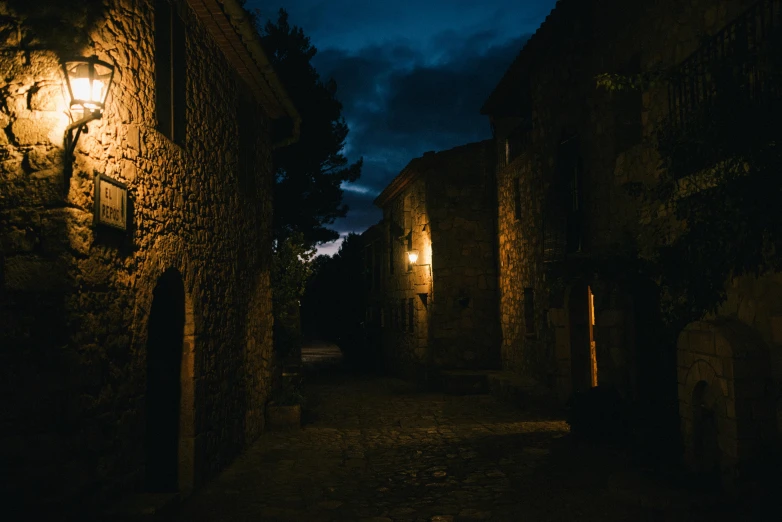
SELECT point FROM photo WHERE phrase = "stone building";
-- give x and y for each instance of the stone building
(373, 241)
(576, 311)
(135, 357)
(439, 307)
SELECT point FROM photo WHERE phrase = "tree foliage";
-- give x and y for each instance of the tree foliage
(309, 173)
(719, 179)
(333, 306)
(291, 268)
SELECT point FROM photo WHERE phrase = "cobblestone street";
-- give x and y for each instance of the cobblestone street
(375, 449)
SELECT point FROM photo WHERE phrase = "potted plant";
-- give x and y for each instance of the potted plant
(284, 408)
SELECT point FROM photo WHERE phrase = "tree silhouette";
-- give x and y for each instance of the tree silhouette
(333, 304)
(309, 173)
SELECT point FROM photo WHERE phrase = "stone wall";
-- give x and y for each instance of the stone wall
(461, 201)
(615, 135)
(736, 353)
(444, 210)
(524, 347)
(404, 345)
(75, 299)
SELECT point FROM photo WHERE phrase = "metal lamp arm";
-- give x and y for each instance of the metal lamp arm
(79, 126)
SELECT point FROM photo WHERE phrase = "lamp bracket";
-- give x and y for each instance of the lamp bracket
(79, 126)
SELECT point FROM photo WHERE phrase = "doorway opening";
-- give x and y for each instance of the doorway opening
(583, 352)
(169, 437)
(705, 434)
(592, 345)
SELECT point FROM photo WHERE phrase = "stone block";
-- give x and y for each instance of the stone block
(683, 342)
(701, 341)
(730, 408)
(727, 368)
(29, 132)
(722, 347)
(48, 98)
(31, 273)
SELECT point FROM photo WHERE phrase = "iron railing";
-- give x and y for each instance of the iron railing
(694, 84)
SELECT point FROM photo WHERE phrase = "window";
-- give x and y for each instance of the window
(411, 314)
(571, 175)
(170, 69)
(529, 311)
(402, 314)
(507, 151)
(517, 198)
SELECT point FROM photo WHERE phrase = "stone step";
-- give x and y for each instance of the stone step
(521, 391)
(143, 507)
(464, 382)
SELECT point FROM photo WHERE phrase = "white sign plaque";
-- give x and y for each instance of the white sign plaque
(111, 202)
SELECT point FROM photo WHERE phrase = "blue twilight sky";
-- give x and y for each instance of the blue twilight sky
(411, 75)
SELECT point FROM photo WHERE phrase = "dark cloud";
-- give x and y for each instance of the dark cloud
(399, 104)
(411, 75)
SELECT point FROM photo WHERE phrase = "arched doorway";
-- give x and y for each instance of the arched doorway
(706, 451)
(169, 398)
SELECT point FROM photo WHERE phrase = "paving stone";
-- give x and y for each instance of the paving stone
(379, 452)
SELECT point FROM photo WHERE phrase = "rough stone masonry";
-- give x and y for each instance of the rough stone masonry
(75, 298)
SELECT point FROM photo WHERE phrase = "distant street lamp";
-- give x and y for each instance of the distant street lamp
(88, 82)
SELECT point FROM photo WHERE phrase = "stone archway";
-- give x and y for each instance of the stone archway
(170, 396)
(723, 368)
(707, 431)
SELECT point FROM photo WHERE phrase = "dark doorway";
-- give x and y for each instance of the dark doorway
(705, 446)
(164, 365)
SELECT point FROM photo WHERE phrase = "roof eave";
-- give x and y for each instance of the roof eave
(234, 33)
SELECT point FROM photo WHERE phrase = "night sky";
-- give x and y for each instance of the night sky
(411, 75)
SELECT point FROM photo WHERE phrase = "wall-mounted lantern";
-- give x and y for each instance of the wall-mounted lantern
(88, 82)
(412, 256)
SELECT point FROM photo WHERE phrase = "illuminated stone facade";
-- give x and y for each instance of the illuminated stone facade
(440, 313)
(76, 299)
(567, 226)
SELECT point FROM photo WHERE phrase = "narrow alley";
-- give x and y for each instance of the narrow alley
(375, 449)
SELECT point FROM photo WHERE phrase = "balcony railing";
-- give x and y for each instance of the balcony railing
(695, 83)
